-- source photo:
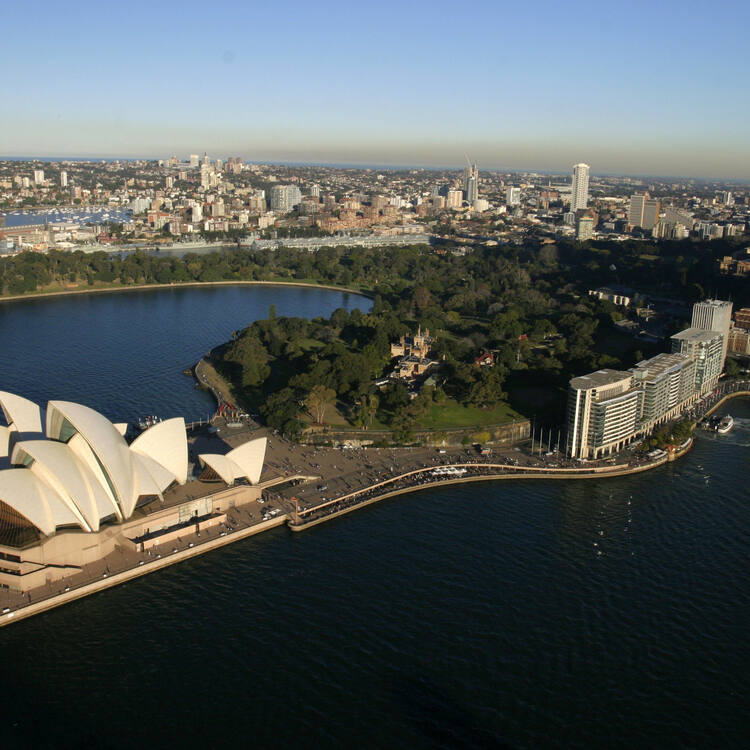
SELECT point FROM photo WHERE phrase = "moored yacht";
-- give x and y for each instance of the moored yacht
(725, 425)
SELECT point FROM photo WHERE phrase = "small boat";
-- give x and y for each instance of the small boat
(725, 425)
(145, 422)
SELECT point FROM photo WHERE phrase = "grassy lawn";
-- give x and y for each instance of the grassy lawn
(451, 414)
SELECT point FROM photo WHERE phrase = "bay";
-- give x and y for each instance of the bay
(508, 614)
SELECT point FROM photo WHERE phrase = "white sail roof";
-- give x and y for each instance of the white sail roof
(160, 478)
(4, 440)
(244, 461)
(106, 443)
(85, 471)
(35, 500)
(166, 443)
(58, 466)
(21, 414)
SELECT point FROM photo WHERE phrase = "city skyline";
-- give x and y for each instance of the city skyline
(348, 87)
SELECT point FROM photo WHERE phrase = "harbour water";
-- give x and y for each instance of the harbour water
(124, 353)
(607, 613)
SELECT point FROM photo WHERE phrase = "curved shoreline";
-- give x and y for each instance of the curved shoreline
(182, 285)
(523, 473)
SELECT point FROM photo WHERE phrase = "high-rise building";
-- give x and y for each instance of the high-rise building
(667, 381)
(651, 211)
(585, 229)
(38, 176)
(706, 349)
(602, 416)
(454, 198)
(195, 160)
(636, 209)
(284, 197)
(471, 182)
(579, 197)
(513, 196)
(714, 315)
(63, 179)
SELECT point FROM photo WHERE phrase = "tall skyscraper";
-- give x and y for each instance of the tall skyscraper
(714, 315)
(63, 179)
(580, 192)
(636, 209)
(651, 211)
(195, 160)
(38, 176)
(471, 182)
(513, 196)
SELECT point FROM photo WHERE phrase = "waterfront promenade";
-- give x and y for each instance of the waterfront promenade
(305, 486)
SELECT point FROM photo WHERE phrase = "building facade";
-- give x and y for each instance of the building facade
(471, 183)
(667, 382)
(714, 315)
(602, 415)
(706, 350)
(585, 229)
(579, 197)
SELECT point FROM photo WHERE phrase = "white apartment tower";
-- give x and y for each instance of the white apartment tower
(579, 197)
(714, 315)
(603, 410)
(63, 179)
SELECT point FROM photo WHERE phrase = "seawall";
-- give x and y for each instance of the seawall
(149, 566)
(597, 473)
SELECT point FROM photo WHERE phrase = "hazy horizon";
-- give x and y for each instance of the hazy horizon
(517, 88)
(563, 172)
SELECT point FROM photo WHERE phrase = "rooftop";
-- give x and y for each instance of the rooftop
(696, 335)
(599, 379)
(660, 365)
(715, 303)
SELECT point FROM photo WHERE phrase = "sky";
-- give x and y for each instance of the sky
(657, 87)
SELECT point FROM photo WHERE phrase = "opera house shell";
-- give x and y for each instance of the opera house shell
(82, 472)
(69, 474)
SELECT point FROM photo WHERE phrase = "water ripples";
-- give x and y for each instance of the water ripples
(521, 614)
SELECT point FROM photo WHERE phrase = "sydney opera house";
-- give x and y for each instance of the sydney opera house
(73, 490)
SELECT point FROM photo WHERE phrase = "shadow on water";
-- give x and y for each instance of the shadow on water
(439, 715)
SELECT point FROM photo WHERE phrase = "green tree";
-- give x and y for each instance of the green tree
(731, 368)
(250, 354)
(318, 400)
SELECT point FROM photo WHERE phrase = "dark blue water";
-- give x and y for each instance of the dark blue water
(123, 353)
(508, 614)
